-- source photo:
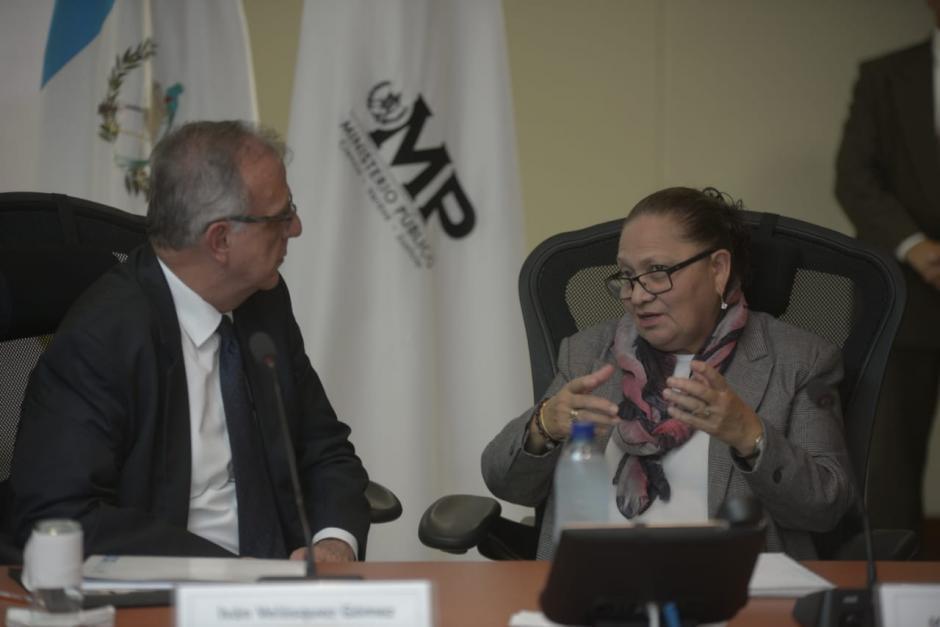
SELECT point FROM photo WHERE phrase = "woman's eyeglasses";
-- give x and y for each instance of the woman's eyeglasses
(659, 281)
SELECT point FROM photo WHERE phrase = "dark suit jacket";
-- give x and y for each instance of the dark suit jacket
(888, 170)
(803, 477)
(104, 434)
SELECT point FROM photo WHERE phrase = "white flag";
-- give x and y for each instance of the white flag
(117, 74)
(404, 281)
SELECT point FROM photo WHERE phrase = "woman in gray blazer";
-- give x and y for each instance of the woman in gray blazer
(695, 397)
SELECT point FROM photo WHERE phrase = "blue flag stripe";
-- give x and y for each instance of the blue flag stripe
(74, 25)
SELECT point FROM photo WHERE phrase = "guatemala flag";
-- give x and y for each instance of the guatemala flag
(118, 74)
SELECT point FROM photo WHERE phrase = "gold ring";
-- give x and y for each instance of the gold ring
(574, 414)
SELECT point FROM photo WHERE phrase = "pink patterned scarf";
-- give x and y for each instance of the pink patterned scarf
(647, 432)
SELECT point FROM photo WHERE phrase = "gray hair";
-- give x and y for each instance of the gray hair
(195, 178)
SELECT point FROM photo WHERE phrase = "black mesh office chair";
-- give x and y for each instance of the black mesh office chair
(52, 247)
(812, 277)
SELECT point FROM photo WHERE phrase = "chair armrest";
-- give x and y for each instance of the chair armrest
(887, 544)
(458, 522)
(10, 554)
(9, 551)
(510, 540)
(384, 506)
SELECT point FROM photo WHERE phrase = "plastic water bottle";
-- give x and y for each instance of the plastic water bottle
(581, 482)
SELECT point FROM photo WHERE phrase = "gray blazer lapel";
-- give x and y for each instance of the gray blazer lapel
(748, 375)
(611, 388)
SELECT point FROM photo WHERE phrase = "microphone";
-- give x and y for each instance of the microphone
(741, 511)
(840, 606)
(263, 350)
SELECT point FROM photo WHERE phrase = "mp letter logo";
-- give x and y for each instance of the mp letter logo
(408, 182)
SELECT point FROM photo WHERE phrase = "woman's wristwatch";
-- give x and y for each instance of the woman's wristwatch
(758, 449)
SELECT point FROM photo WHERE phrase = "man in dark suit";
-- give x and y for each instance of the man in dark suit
(888, 183)
(148, 421)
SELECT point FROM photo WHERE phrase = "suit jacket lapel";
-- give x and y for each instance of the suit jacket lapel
(748, 375)
(912, 93)
(172, 476)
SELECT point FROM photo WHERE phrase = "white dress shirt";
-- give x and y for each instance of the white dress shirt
(213, 504)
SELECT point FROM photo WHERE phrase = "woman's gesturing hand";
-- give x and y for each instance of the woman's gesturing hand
(574, 401)
(706, 402)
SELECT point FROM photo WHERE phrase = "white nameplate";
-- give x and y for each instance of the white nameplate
(350, 603)
(908, 605)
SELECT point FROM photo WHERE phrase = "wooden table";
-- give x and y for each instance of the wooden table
(483, 594)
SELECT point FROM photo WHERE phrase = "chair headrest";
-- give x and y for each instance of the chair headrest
(6, 313)
(37, 287)
(773, 269)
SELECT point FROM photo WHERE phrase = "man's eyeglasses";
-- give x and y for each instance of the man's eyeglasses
(284, 216)
(658, 281)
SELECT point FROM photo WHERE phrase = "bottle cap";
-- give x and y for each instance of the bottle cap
(582, 430)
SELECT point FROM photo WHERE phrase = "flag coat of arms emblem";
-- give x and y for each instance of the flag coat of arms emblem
(118, 74)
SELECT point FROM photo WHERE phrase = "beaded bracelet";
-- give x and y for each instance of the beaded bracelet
(540, 425)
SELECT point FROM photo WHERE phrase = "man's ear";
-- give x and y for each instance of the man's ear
(218, 239)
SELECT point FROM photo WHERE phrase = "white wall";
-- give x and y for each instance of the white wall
(23, 28)
(617, 98)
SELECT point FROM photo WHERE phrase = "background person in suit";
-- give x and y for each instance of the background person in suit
(697, 398)
(148, 421)
(888, 183)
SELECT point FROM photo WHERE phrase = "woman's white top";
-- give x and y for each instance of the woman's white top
(686, 469)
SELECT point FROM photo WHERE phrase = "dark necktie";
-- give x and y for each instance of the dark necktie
(259, 532)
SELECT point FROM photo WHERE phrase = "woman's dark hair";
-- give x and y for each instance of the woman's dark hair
(708, 217)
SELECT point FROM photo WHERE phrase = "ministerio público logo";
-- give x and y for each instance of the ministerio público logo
(408, 185)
